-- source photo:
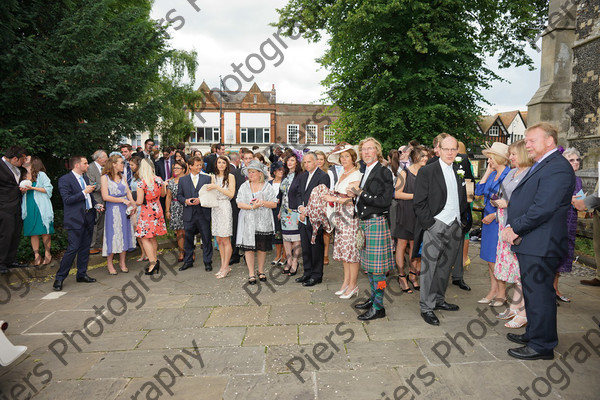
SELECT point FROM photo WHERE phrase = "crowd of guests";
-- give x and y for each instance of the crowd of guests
(410, 209)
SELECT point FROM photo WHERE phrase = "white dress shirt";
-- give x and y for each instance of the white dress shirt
(88, 197)
(16, 171)
(451, 210)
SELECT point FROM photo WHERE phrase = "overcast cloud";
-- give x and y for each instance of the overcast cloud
(227, 31)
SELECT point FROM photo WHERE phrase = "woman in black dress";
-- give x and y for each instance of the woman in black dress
(405, 219)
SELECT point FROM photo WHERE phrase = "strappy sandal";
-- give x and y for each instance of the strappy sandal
(38, 259)
(262, 277)
(417, 286)
(252, 280)
(509, 313)
(514, 324)
(409, 290)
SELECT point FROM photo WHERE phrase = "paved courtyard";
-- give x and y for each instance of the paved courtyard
(187, 335)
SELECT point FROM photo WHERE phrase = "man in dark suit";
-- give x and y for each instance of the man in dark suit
(196, 219)
(312, 254)
(440, 204)
(147, 152)
(211, 159)
(537, 229)
(11, 173)
(239, 180)
(79, 218)
(164, 166)
(126, 151)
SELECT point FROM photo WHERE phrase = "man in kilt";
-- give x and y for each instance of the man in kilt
(440, 203)
(373, 197)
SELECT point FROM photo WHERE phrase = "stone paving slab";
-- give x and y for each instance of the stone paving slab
(299, 343)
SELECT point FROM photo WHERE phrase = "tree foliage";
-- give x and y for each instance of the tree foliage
(78, 75)
(401, 69)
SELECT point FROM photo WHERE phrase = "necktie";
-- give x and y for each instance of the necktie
(167, 169)
(87, 201)
(195, 180)
(532, 168)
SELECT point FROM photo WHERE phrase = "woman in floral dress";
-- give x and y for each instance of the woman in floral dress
(151, 222)
(344, 220)
(174, 209)
(506, 268)
(289, 217)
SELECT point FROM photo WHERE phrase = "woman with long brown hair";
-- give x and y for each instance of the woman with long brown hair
(119, 205)
(222, 216)
(36, 209)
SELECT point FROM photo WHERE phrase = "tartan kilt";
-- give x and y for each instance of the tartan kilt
(377, 255)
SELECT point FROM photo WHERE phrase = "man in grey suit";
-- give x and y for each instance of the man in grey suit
(94, 173)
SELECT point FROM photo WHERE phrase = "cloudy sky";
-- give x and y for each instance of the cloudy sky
(229, 31)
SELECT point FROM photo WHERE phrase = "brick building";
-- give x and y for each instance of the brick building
(254, 118)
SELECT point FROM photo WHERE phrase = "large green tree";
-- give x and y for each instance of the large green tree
(406, 69)
(77, 75)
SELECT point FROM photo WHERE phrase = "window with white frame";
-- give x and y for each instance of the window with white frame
(137, 142)
(206, 135)
(494, 131)
(255, 135)
(311, 134)
(293, 133)
(328, 135)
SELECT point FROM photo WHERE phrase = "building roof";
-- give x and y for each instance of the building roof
(233, 97)
(506, 118)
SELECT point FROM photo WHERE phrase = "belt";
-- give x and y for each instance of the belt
(374, 215)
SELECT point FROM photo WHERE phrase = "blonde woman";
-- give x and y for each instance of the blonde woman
(151, 222)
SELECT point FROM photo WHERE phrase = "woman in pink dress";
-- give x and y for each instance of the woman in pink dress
(151, 222)
(506, 268)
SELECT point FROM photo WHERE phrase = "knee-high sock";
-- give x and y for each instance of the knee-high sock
(377, 287)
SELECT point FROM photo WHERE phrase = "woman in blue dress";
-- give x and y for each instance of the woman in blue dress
(489, 187)
(119, 205)
(36, 210)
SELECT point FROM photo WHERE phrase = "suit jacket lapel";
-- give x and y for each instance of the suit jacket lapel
(538, 167)
(439, 177)
(6, 171)
(371, 176)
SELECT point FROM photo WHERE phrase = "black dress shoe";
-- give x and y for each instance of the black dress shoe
(519, 339)
(19, 265)
(430, 318)
(185, 266)
(527, 353)
(302, 279)
(234, 260)
(461, 284)
(57, 285)
(446, 307)
(364, 306)
(3, 269)
(311, 282)
(208, 267)
(86, 279)
(372, 313)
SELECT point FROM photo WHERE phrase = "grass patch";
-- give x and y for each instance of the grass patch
(584, 245)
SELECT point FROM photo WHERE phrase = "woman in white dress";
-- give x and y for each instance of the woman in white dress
(221, 216)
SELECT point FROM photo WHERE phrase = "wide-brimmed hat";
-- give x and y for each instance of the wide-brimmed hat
(258, 166)
(497, 148)
(334, 158)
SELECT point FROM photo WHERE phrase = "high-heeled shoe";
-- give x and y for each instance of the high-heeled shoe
(38, 259)
(113, 272)
(408, 289)
(341, 291)
(154, 270)
(517, 322)
(276, 261)
(416, 287)
(223, 274)
(349, 295)
(47, 260)
(292, 273)
(142, 258)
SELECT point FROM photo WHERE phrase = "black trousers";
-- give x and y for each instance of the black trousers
(537, 278)
(79, 245)
(11, 227)
(312, 254)
(201, 225)
(235, 212)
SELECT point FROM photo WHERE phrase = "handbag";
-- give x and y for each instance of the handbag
(208, 198)
(360, 238)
